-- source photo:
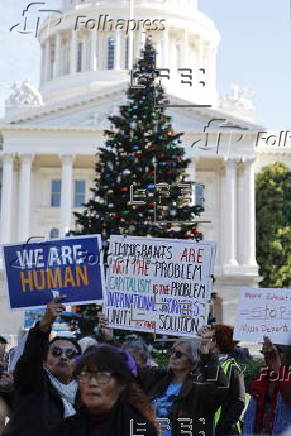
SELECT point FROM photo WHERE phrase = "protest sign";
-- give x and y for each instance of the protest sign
(264, 312)
(36, 272)
(161, 285)
(61, 324)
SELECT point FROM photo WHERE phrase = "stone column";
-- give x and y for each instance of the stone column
(42, 69)
(24, 196)
(117, 50)
(58, 60)
(185, 59)
(93, 66)
(67, 193)
(212, 69)
(46, 66)
(73, 68)
(229, 215)
(199, 52)
(144, 34)
(7, 197)
(159, 53)
(130, 40)
(191, 170)
(248, 221)
(165, 63)
(100, 65)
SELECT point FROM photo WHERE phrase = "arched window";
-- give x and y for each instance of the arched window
(54, 233)
(110, 53)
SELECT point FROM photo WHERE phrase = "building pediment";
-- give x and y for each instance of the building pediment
(92, 111)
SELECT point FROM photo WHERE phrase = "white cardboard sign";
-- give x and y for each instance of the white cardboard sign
(159, 285)
(264, 312)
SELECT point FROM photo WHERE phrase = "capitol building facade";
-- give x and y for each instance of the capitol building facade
(49, 136)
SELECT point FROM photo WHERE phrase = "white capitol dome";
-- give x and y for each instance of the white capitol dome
(78, 61)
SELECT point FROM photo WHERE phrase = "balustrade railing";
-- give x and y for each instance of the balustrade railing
(172, 4)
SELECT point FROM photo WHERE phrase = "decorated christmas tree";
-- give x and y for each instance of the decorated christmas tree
(141, 157)
(141, 187)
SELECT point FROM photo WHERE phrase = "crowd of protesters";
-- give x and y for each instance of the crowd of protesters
(65, 387)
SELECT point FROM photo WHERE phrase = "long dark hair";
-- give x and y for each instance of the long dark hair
(108, 358)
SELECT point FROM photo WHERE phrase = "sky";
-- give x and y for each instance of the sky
(254, 52)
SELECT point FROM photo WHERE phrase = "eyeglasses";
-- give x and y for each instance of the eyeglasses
(70, 353)
(178, 354)
(100, 377)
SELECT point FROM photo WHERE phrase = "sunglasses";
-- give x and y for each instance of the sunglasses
(100, 377)
(177, 353)
(70, 353)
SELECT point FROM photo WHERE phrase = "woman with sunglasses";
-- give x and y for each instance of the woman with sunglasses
(112, 404)
(45, 391)
(187, 395)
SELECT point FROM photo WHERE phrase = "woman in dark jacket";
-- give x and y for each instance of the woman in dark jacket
(112, 402)
(187, 395)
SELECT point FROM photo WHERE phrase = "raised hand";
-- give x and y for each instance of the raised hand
(271, 354)
(208, 343)
(53, 309)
